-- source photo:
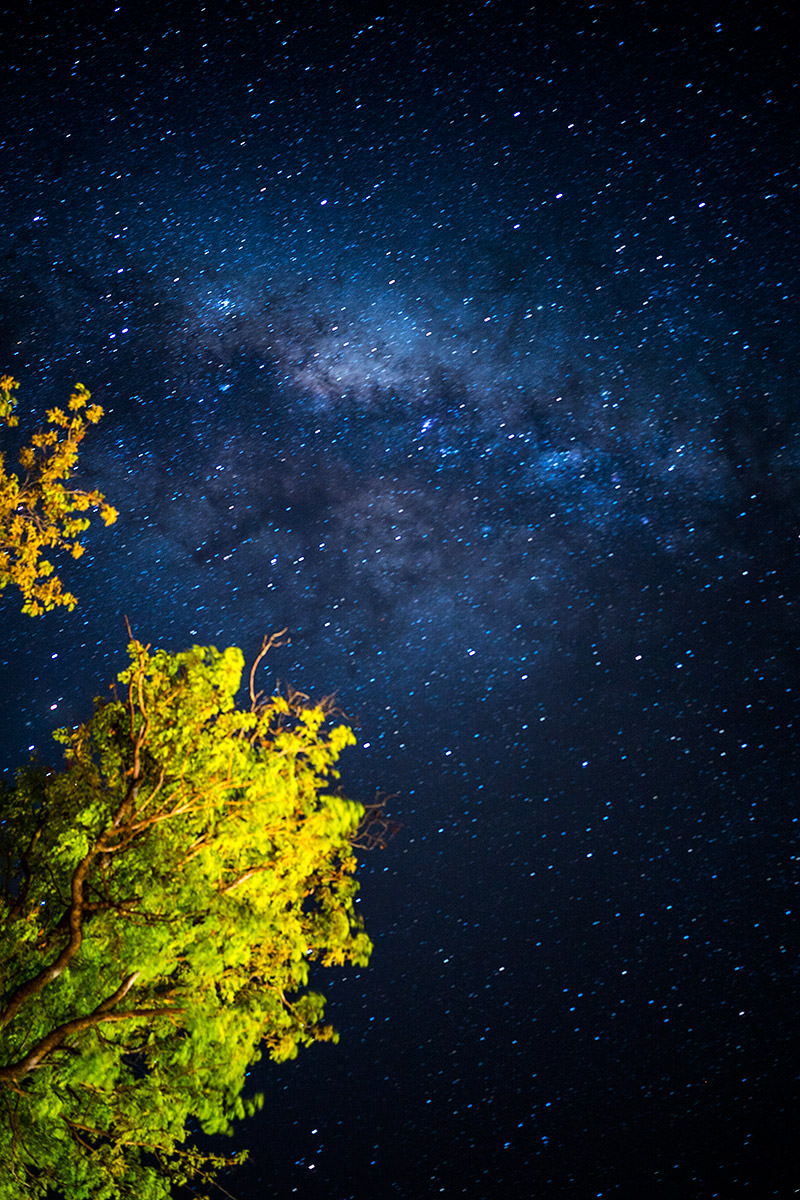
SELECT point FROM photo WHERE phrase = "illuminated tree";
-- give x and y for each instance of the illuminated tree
(39, 512)
(163, 896)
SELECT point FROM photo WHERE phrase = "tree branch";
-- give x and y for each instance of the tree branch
(35, 985)
(103, 1013)
(267, 644)
(228, 887)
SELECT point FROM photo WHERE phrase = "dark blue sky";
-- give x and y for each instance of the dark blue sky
(464, 345)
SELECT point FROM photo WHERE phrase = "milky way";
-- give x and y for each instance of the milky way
(465, 348)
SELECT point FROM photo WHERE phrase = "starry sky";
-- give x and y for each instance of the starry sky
(461, 342)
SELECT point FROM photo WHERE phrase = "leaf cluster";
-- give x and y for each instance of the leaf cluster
(163, 897)
(39, 512)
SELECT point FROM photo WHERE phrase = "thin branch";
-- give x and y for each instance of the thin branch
(375, 830)
(269, 643)
(140, 737)
(120, 994)
(295, 698)
(73, 1127)
(208, 1179)
(245, 876)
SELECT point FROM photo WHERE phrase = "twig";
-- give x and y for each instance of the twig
(269, 643)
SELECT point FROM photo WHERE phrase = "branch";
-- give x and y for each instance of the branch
(56, 1038)
(48, 974)
(228, 887)
(139, 738)
(267, 644)
(174, 806)
(375, 830)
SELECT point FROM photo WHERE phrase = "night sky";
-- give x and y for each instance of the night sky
(464, 345)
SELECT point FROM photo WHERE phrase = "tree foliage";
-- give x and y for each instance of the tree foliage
(163, 896)
(39, 512)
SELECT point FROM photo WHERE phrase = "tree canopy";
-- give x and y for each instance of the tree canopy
(39, 512)
(163, 896)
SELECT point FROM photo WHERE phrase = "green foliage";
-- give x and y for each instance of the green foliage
(163, 897)
(39, 512)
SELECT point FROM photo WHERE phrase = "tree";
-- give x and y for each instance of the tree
(39, 512)
(162, 899)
